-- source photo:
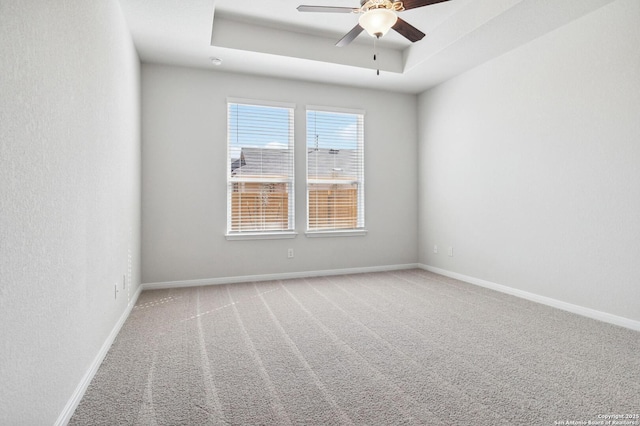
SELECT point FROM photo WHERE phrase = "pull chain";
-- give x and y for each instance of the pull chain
(375, 53)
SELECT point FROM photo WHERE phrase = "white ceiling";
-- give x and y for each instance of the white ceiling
(270, 37)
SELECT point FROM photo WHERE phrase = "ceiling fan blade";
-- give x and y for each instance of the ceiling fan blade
(330, 9)
(350, 36)
(412, 4)
(408, 31)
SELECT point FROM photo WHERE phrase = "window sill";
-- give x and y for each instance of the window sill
(261, 235)
(345, 233)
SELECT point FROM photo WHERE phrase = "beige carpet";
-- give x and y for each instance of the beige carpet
(393, 348)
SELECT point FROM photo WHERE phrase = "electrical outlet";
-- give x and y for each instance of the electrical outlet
(435, 249)
(450, 251)
(290, 253)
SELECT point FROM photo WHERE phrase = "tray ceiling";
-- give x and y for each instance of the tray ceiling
(270, 37)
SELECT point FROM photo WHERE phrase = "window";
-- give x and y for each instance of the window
(335, 170)
(260, 181)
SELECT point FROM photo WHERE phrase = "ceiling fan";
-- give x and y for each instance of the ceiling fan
(378, 17)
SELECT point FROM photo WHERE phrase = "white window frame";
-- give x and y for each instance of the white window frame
(360, 229)
(290, 180)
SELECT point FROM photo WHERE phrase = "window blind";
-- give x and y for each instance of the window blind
(335, 170)
(260, 177)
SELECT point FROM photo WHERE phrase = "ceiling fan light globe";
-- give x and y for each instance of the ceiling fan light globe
(377, 22)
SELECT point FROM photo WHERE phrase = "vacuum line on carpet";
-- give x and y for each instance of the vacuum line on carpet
(276, 404)
(228, 305)
(211, 394)
(294, 348)
(376, 373)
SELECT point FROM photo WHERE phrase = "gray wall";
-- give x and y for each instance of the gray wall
(69, 196)
(530, 166)
(184, 178)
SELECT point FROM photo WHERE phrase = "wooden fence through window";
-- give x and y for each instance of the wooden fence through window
(264, 211)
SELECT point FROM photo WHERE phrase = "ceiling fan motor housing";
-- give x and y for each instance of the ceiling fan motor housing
(381, 4)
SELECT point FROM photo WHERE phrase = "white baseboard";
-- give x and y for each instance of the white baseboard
(576, 309)
(72, 404)
(271, 277)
